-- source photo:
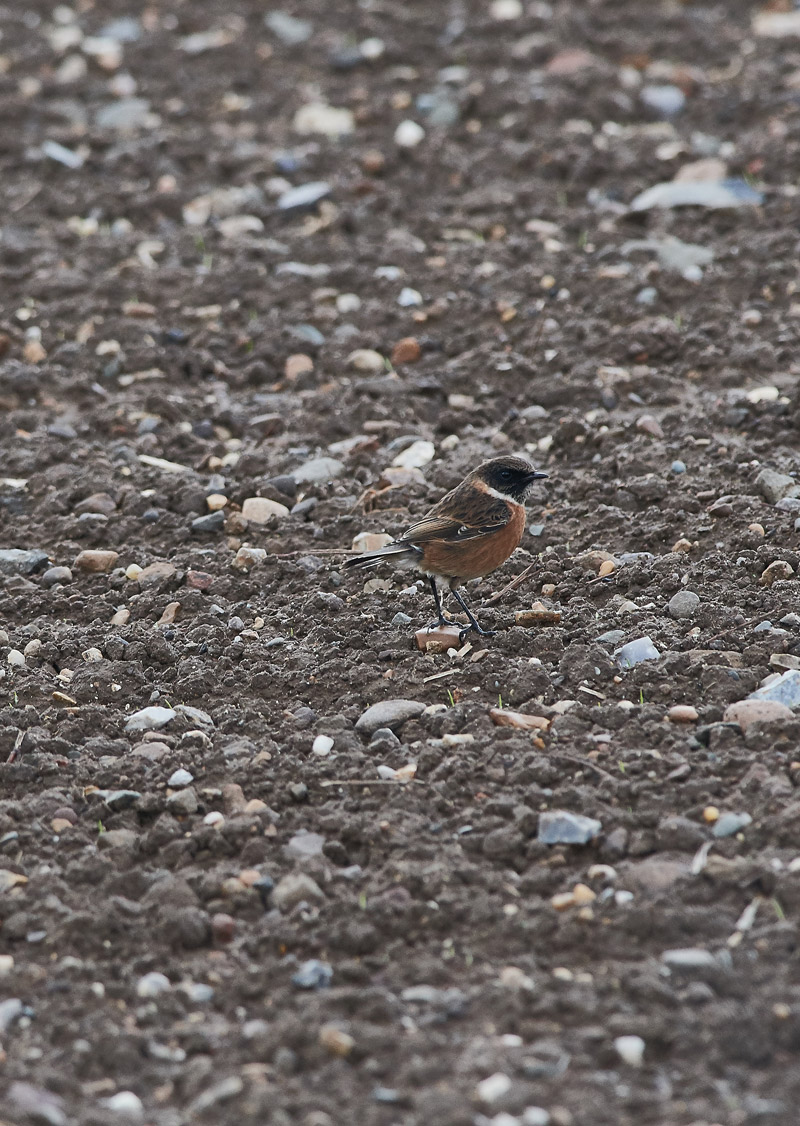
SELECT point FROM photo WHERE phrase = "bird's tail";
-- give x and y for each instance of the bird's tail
(402, 552)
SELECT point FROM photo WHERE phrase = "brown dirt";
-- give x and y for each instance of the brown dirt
(439, 883)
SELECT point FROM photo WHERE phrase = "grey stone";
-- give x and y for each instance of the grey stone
(10, 1011)
(304, 196)
(294, 889)
(35, 1105)
(679, 834)
(559, 826)
(313, 974)
(612, 637)
(124, 113)
(730, 823)
(683, 604)
(55, 575)
(641, 649)
(702, 193)
(689, 958)
(180, 778)
(14, 561)
(678, 467)
(666, 100)
(119, 799)
(289, 29)
(388, 713)
(304, 845)
(318, 470)
(194, 715)
(212, 522)
(183, 802)
(150, 719)
(153, 984)
(774, 486)
(785, 690)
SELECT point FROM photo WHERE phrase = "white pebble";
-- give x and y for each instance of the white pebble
(133, 571)
(506, 10)
(371, 48)
(152, 984)
(125, 1102)
(751, 317)
(409, 297)
(15, 659)
(408, 134)
(92, 655)
(214, 818)
(348, 303)
(630, 1050)
(180, 777)
(322, 745)
(493, 1088)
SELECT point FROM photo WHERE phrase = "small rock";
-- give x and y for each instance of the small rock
(96, 562)
(125, 1103)
(729, 824)
(415, 456)
(223, 927)
(313, 975)
(784, 689)
(438, 639)
(294, 889)
(775, 486)
(318, 471)
(689, 958)
(370, 541)
(492, 1089)
(322, 745)
(649, 425)
(216, 501)
(678, 467)
(170, 613)
(150, 719)
(289, 29)
(682, 713)
(248, 557)
(304, 845)
(630, 1050)
(408, 134)
(503, 10)
(406, 351)
(212, 522)
(297, 364)
(682, 546)
(366, 360)
(503, 717)
(35, 1105)
(153, 985)
(562, 827)
(776, 571)
(304, 197)
(55, 575)
(180, 777)
(260, 510)
(683, 604)
(642, 649)
(667, 100)
(409, 297)
(199, 580)
(388, 713)
(319, 117)
(16, 659)
(335, 1040)
(712, 194)
(14, 561)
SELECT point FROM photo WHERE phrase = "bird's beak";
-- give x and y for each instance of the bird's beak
(537, 476)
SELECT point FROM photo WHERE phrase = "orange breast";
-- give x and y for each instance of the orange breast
(472, 559)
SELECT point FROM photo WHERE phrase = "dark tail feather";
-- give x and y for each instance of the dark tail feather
(374, 558)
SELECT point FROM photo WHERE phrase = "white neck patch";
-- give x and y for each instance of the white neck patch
(500, 496)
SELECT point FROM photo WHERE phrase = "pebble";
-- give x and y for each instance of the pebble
(683, 604)
(774, 486)
(689, 958)
(313, 974)
(678, 467)
(16, 659)
(150, 719)
(304, 845)
(35, 1105)
(415, 456)
(630, 1050)
(183, 803)
(60, 825)
(14, 561)
(562, 827)
(318, 470)
(784, 689)
(216, 501)
(648, 424)
(223, 927)
(153, 984)
(406, 351)
(503, 717)
(246, 558)
(335, 1040)
(322, 745)
(712, 194)
(297, 364)
(776, 571)
(493, 1088)
(439, 639)
(156, 574)
(536, 1116)
(319, 117)
(388, 713)
(260, 510)
(180, 777)
(368, 361)
(54, 575)
(642, 649)
(289, 29)
(370, 541)
(125, 1103)
(96, 562)
(729, 824)
(612, 637)
(683, 713)
(503, 10)
(710, 814)
(304, 197)
(212, 522)
(408, 134)
(682, 546)
(169, 614)
(667, 100)
(409, 297)
(294, 889)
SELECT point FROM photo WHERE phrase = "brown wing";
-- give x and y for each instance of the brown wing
(461, 515)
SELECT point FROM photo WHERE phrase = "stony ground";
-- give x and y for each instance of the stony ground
(274, 279)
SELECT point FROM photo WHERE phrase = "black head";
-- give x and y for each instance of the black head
(510, 476)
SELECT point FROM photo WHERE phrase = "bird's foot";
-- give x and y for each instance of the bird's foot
(478, 629)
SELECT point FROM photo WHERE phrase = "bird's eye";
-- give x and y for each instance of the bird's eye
(505, 474)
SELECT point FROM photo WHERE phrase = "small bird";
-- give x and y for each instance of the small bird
(468, 534)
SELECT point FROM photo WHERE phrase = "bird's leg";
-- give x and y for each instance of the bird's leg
(441, 620)
(472, 619)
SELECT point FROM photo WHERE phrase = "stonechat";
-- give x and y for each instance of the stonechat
(468, 534)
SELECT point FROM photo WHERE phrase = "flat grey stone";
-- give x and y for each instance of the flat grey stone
(14, 561)
(559, 826)
(388, 713)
